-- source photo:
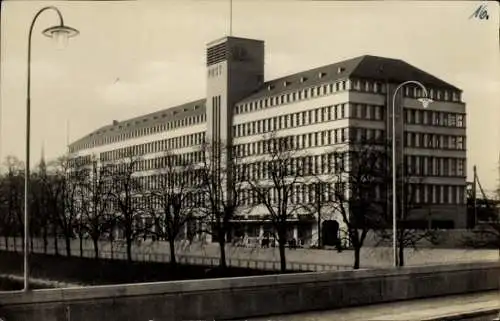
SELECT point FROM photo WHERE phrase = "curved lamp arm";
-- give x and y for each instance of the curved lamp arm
(35, 18)
(424, 99)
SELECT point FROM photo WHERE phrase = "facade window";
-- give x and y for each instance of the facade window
(378, 113)
(359, 111)
(460, 167)
(369, 111)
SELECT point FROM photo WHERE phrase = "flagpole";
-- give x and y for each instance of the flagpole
(230, 17)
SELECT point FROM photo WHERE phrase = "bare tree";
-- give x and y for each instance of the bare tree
(412, 219)
(40, 220)
(14, 185)
(64, 188)
(284, 172)
(358, 190)
(6, 218)
(127, 195)
(172, 197)
(222, 193)
(52, 187)
(95, 201)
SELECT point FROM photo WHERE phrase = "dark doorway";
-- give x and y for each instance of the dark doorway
(330, 232)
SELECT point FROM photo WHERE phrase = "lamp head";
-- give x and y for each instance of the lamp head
(61, 34)
(425, 101)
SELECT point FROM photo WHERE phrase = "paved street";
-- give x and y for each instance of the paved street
(422, 310)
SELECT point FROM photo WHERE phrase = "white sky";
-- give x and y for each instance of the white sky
(156, 51)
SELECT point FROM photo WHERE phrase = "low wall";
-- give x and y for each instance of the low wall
(247, 296)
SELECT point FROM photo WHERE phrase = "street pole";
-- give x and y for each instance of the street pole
(425, 102)
(55, 31)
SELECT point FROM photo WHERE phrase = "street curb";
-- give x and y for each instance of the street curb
(465, 315)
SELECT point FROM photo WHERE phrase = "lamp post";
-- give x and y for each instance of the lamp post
(60, 33)
(425, 103)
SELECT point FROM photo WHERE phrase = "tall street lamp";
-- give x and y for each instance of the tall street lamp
(425, 100)
(60, 33)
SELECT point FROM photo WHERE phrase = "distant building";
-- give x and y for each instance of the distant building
(318, 108)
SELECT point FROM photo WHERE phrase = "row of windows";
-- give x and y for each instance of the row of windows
(154, 147)
(435, 141)
(329, 88)
(309, 117)
(302, 94)
(188, 121)
(334, 163)
(435, 166)
(150, 202)
(438, 194)
(170, 161)
(315, 139)
(79, 161)
(306, 194)
(297, 166)
(183, 178)
(434, 94)
(434, 118)
(296, 194)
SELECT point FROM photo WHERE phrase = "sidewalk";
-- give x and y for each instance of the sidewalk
(477, 306)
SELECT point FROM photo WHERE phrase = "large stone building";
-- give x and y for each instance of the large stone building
(318, 109)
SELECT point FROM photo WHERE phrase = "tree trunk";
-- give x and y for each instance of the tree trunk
(56, 244)
(15, 243)
(401, 252)
(357, 257)
(222, 246)
(173, 261)
(401, 260)
(129, 249)
(81, 245)
(111, 247)
(96, 248)
(68, 245)
(6, 237)
(45, 240)
(281, 246)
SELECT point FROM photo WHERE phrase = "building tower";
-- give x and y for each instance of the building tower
(235, 70)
